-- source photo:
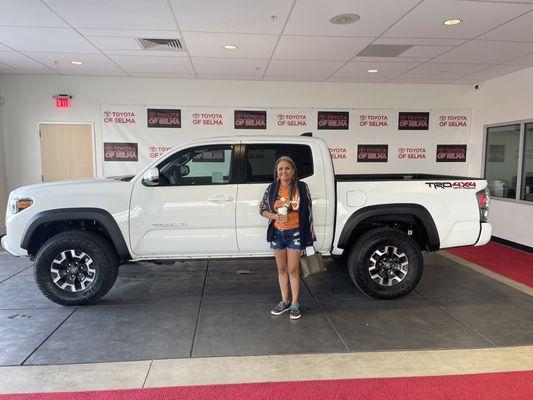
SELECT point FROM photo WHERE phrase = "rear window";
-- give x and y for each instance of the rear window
(260, 160)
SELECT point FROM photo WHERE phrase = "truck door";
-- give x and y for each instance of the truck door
(259, 160)
(192, 209)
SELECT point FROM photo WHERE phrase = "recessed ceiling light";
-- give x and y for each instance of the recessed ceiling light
(451, 22)
(344, 19)
(230, 47)
(373, 71)
(76, 62)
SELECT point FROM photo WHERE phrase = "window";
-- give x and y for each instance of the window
(501, 165)
(527, 165)
(206, 165)
(260, 160)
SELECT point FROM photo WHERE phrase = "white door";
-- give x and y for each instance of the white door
(191, 212)
(259, 172)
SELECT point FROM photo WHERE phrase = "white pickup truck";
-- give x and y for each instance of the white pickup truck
(200, 201)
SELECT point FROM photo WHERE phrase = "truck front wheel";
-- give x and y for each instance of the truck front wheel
(75, 268)
(385, 263)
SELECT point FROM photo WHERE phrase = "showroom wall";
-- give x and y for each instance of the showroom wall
(3, 184)
(505, 99)
(28, 101)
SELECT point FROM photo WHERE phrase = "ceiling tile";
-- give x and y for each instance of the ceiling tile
(426, 51)
(311, 17)
(356, 69)
(236, 66)
(115, 14)
(294, 78)
(493, 72)
(520, 29)
(487, 52)
(420, 81)
(392, 59)
(200, 44)
(146, 53)
(358, 80)
(131, 33)
(28, 13)
(442, 71)
(154, 64)
(302, 68)
(28, 71)
(17, 60)
(61, 61)
(230, 77)
(232, 16)
(162, 75)
(420, 41)
(83, 72)
(114, 43)
(45, 39)
(319, 48)
(427, 19)
(525, 61)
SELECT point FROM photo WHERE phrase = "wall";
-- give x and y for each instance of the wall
(3, 186)
(505, 99)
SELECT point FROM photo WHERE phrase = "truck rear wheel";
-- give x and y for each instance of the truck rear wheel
(385, 263)
(75, 268)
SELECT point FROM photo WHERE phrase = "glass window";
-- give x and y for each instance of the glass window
(501, 164)
(527, 166)
(206, 165)
(260, 160)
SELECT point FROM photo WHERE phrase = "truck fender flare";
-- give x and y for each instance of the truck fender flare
(416, 210)
(103, 217)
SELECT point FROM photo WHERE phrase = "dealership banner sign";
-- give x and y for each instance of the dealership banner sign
(360, 140)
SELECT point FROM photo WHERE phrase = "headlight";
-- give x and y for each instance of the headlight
(17, 204)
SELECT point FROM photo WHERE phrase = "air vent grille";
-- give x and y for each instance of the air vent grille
(384, 50)
(161, 44)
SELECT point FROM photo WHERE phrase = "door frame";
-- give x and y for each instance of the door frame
(93, 140)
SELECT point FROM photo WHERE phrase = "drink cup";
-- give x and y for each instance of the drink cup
(283, 212)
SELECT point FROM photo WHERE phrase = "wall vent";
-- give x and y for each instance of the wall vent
(161, 44)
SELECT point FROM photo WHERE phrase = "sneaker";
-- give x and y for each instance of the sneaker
(295, 311)
(280, 308)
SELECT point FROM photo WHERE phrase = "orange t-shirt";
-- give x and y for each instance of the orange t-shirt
(283, 199)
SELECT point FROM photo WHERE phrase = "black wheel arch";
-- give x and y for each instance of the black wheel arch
(388, 214)
(47, 223)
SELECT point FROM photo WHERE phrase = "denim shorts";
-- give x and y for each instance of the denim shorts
(286, 239)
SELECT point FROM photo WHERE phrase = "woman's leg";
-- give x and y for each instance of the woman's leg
(293, 266)
(283, 276)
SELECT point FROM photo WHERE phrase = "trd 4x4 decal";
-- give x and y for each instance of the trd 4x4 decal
(452, 185)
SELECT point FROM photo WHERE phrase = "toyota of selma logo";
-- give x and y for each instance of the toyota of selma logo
(452, 185)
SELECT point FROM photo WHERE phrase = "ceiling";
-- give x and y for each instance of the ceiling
(277, 40)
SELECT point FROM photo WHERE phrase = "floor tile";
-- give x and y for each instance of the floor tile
(400, 324)
(22, 331)
(21, 292)
(146, 283)
(248, 328)
(121, 333)
(11, 265)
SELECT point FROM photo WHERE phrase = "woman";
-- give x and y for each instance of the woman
(287, 205)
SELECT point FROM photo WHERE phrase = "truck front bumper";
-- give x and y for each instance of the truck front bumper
(485, 234)
(15, 250)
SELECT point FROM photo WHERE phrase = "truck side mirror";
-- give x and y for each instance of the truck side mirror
(151, 177)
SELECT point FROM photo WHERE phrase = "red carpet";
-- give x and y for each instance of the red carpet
(514, 264)
(497, 386)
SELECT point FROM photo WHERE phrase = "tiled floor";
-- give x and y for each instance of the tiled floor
(220, 308)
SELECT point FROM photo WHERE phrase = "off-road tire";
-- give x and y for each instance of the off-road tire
(359, 262)
(105, 263)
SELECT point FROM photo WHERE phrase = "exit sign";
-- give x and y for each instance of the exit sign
(62, 102)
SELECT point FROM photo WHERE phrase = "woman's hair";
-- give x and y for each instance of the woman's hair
(293, 182)
(289, 160)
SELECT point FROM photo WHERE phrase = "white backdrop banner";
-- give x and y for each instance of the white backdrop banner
(360, 140)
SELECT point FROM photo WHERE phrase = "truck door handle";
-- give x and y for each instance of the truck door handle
(221, 198)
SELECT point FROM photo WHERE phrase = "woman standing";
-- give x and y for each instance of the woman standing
(287, 205)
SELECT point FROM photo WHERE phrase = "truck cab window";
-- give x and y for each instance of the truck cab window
(260, 160)
(206, 165)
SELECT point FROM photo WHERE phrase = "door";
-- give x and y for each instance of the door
(259, 160)
(66, 151)
(191, 212)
